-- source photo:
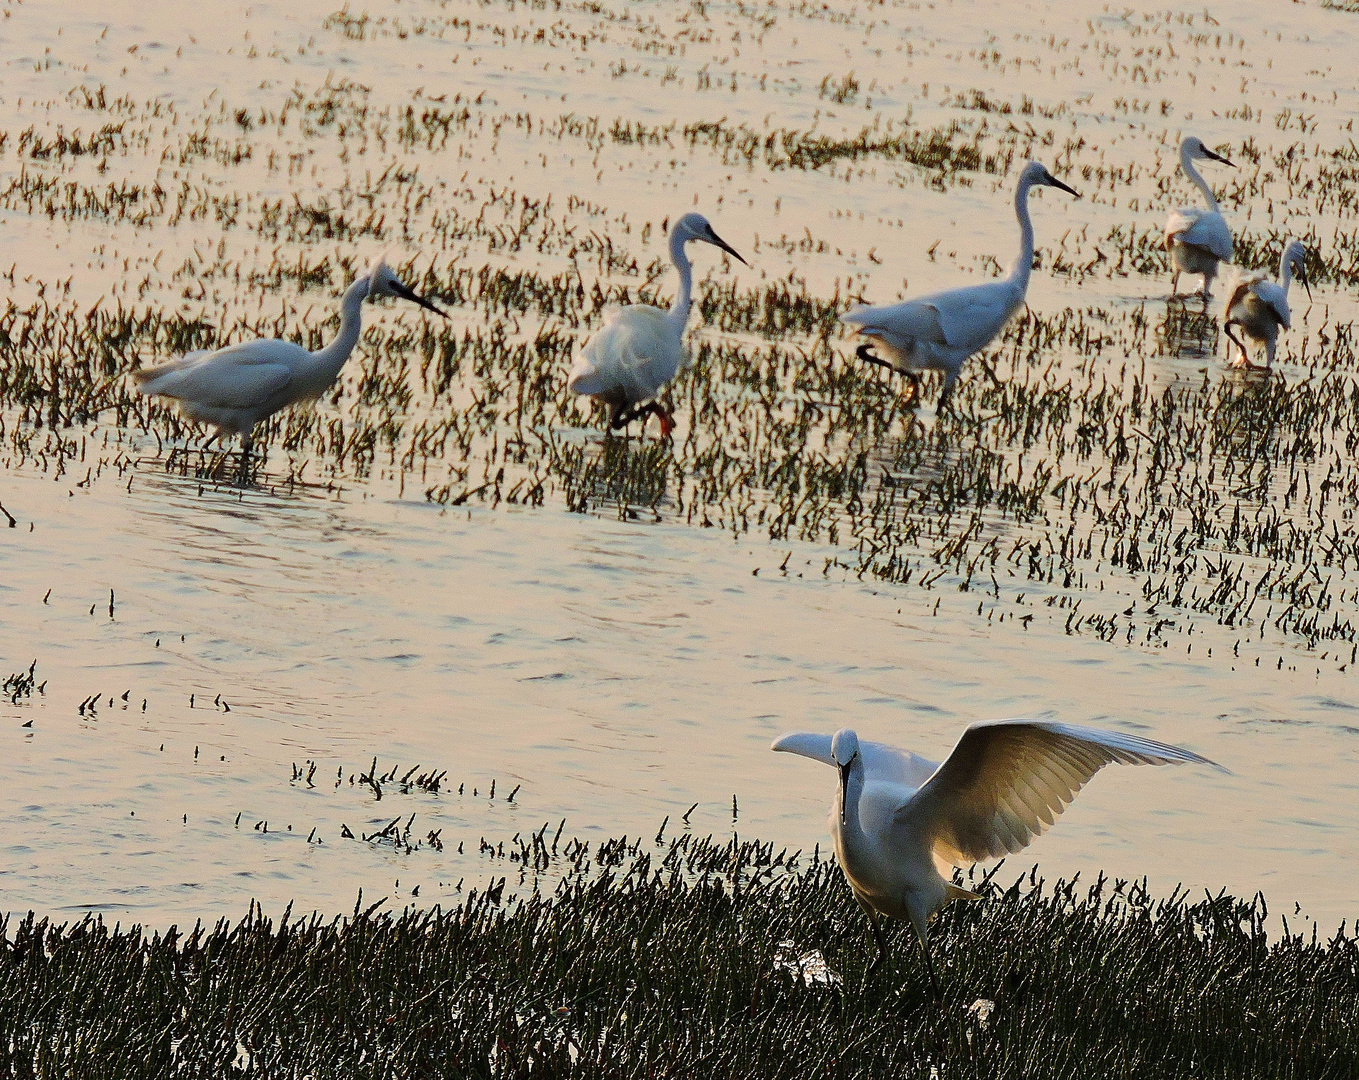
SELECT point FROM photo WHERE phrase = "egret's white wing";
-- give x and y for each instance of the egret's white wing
(1272, 295)
(146, 375)
(243, 376)
(637, 351)
(1007, 780)
(973, 316)
(903, 323)
(882, 763)
(1202, 228)
(1239, 283)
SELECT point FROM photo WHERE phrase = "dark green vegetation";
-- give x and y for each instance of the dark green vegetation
(681, 961)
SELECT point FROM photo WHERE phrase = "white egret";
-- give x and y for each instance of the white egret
(897, 818)
(1198, 239)
(940, 331)
(640, 348)
(237, 386)
(1260, 306)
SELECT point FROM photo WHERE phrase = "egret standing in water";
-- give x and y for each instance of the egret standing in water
(640, 348)
(897, 818)
(1198, 239)
(940, 331)
(1260, 306)
(237, 386)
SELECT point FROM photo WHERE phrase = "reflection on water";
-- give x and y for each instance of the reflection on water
(615, 672)
(217, 665)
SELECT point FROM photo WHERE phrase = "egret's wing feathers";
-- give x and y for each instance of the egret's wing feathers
(1238, 288)
(966, 318)
(1202, 228)
(237, 377)
(882, 763)
(635, 351)
(142, 376)
(1272, 296)
(1007, 780)
(910, 320)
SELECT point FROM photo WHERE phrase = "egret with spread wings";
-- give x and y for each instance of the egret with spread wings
(897, 819)
(236, 387)
(940, 331)
(1260, 306)
(640, 348)
(1198, 238)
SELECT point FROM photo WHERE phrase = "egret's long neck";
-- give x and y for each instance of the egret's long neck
(1187, 166)
(1285, 269)
(851, 828)
(1023, 267)
(679, 310)
(330, 359)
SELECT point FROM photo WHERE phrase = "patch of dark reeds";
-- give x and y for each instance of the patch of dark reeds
(694, 958)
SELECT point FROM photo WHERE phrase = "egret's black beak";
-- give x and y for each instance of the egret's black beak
(1302, 276)
(844, 789)
(1054, 182)
(1218, 157)
(407, 294)
(713, 238)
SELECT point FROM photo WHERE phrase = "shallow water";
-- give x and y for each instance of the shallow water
(617, 667)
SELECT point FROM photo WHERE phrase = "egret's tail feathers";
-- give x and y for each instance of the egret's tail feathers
(953, 892)
(146, 377)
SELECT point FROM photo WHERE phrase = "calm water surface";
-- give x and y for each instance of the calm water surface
(611, 673)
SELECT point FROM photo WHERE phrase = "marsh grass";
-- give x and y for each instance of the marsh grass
(672, 959)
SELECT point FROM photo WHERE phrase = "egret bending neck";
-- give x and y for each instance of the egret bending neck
(1187, 166)
(851, 828)
(330, 359)
(679, 310)
(1023, 267)
(1285, 270)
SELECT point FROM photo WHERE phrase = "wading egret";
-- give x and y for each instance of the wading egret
(1198, 239)
(237, 386)
(940, 331)
(897, 818)
(1260, 306)
(640, 348)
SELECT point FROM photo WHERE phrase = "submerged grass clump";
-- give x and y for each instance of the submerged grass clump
(599, 979)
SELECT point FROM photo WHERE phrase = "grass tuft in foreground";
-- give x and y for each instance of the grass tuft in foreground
(679, 962)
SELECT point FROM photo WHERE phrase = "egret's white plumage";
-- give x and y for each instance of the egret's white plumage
(235, 387)
(1198, 238)
(1260, 306)
(898, 819)
(940, 331)
(640, 348)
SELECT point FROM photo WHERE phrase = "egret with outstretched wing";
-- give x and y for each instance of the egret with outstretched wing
(897, 819)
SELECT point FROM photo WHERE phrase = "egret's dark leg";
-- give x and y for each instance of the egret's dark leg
(946, 395)
(929, 967)
(1175, 284)
(1245, 360)
(622, 416)
(865, 353)
(247, 444)
(879, 937)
